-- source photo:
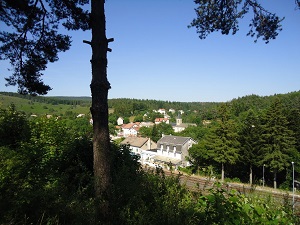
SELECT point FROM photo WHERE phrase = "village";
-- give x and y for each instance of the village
(169, 151)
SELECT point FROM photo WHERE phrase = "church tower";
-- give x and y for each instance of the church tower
(178, 119)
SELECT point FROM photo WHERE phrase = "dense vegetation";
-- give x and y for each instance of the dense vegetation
(46, 177)
(247, 133)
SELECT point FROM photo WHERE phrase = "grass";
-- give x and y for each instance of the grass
(39, 108)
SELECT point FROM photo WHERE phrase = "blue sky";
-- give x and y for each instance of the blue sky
(155, 56)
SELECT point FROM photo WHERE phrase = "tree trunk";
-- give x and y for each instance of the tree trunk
(222, 176)
(99, 110)
(251, 175)
(275, 178)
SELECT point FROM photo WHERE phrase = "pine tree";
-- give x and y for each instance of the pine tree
(248, 137)
(224, 147)
(277, 142)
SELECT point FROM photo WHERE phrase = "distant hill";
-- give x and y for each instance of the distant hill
(60, 105)
(45, 105)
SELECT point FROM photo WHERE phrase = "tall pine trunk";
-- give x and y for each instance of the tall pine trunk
(275, 179)
(250, 175)
(99, 110)
(222, 175)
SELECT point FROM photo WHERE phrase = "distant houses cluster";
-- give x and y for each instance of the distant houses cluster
(170, 150)
(132, 129)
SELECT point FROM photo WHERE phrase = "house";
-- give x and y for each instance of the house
(162, 111)
(180, 126)
(130, 129)
(172, 111)
(144, 147)
(138, 144)
(160, 120)
(146, 124)
(174, 150)
(120, 121)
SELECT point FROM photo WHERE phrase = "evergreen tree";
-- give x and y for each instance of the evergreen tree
(221, 145)
(277, 143)
(226, 146)
(199, 154)
(155, 136)
(248, 137)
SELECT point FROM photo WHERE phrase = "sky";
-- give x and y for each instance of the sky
(156, 56)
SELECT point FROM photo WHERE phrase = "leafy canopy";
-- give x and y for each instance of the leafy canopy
(31, 39)
(224, 16)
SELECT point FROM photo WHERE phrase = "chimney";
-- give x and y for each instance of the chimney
(149, 144)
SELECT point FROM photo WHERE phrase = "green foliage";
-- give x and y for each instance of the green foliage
(224, 16)
(197, 133)
(48, 179)
(47, 176)
(138, 118)
(14, 127)
(46, 172)
(156, 132)
(230, 207)
(33, 39)
(43, 105)
(277, 149)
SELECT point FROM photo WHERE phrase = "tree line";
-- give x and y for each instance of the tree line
(250, 134)
(51, 100)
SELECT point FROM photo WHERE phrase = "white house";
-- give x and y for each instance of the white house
(130, 129)
(146, 124)
(160, 120)
(174, 150)
(180, 126)
(120, 121)
(172, 111)
(138, 144)
(162, 111)
(144, 147)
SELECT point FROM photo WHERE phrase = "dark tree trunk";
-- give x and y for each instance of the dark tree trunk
(99, 109)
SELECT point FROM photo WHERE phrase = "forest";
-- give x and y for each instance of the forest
(46, 174)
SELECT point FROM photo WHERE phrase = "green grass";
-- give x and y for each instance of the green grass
(39, 108)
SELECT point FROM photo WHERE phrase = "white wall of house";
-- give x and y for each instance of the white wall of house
(162, 111)
(129, 132)
(120, 121)
(146, 156)
(178, 129)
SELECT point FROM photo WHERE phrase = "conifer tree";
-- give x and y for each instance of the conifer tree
(224, 147)
(248, 137)
(277, 142)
